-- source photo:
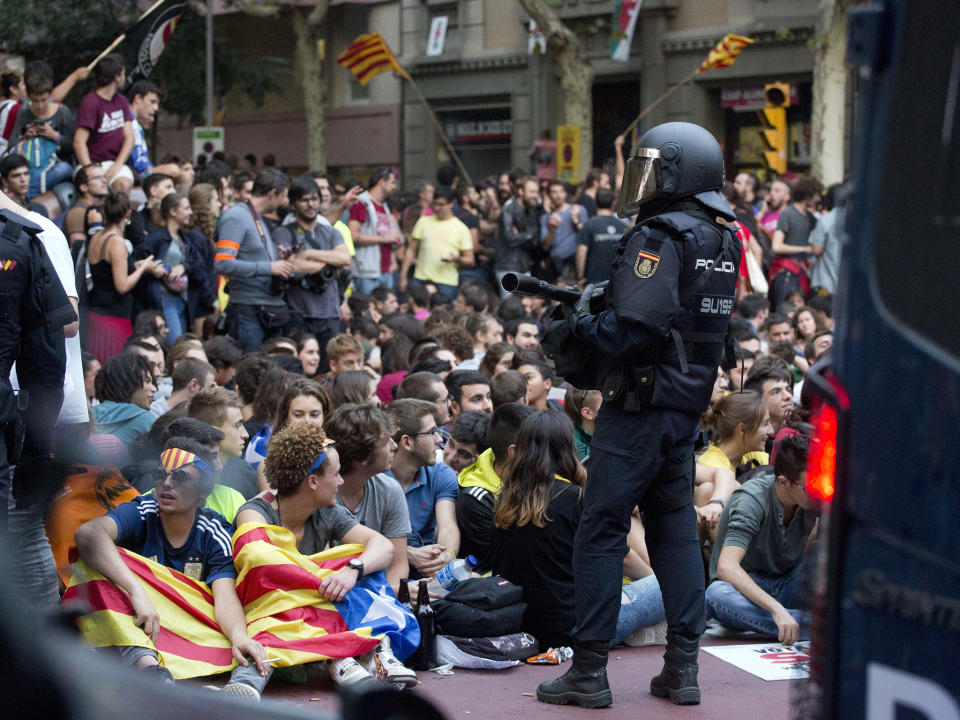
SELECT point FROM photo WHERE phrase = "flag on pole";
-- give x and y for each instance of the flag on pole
(724, 54)
(625, 13)
(151, 34)
(368, 56)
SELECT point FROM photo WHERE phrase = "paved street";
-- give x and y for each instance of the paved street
(491, 695)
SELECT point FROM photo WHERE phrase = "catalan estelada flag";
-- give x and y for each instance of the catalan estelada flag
(725, 53)
(277, 586)
(368, 56)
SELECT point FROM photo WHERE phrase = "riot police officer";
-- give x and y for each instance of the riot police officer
(35, 309)
(663, 328)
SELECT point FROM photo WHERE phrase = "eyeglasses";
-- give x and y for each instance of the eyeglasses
(432, 431)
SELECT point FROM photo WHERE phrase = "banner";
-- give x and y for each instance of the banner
(150, 36)
(438, 35)
(568, 153)
(625, 14)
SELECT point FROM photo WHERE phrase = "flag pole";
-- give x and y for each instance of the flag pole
(664, 96)
(122, 36)
(439, 127)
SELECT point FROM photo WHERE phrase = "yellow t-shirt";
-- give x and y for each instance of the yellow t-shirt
(439, 239)
(714, 457)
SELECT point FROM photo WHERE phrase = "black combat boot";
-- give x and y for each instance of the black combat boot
(585, 683)
(678, 679)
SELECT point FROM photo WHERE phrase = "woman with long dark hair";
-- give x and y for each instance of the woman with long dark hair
(206, 207)
(535, 520)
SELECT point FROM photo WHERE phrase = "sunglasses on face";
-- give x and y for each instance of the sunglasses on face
(179, 477)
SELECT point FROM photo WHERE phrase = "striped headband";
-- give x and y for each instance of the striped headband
(174, 458)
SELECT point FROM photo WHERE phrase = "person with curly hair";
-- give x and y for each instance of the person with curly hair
(302, 468)
(206, 206)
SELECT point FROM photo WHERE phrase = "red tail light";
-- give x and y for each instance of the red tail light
(822, 457)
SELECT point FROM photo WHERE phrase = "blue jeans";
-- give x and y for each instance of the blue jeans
(41, 182)
(447, 291)
(244, 327)
(733, 610)
(641, 605)
(32, 567)
(175, 313)
(368, 285)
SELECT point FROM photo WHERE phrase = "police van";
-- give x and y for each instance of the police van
(886, 456)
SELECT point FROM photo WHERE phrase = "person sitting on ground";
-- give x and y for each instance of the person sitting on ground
(303, 469)
(125, 389)
(536, 516)
(539, 377)
(354, 386)
(468, 390)
(273, 386)
(172, 529)
(508, 387)
(430, 387)
(344, 352)
(468, 438)
(362, 433)
(775, 384)
(221, 409)
(430, 487)
(497, 359)
(480, 482)
(189, 377)
(248, 377)
(582, 406)
(223, 352)
(485, 330)
(741, 428)
(765, 531)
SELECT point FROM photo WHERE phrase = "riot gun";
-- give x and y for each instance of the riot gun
(532, 287)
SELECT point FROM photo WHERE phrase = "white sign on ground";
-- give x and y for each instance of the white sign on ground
(768, 661)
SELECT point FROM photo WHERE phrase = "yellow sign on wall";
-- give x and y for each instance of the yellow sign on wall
(568, 153)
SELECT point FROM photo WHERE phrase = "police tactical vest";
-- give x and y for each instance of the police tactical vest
(680, 369)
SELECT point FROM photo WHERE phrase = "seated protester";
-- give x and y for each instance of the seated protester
(523, 332)
(354, 386)
(757, 573)
(303, 469)
(739, 373)
(796, 363)
(480, 482)
(468, 438)
(485, 330)
(508, 386)
(171, 528)
(344, 352)
(362, 433)
(430, 487)
(223, 352)
(455, 339)
(125, 390)
(302, 400)
(497, 359)
(468, 390)
(535, 520)
(818, 345)
(189, 377)
(148, 347)
(775, 383)
(221, 409)
(274, 385)
(15, 179)
(741, 425)
(582, 406)
(539, 379)
(249, 374)
(430, 387)
(396, 365)
(779, 327)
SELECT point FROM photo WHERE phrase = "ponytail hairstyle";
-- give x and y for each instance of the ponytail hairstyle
(545, 449)
(726, 415)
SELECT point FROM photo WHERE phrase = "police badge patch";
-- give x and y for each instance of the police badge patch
(646, 264)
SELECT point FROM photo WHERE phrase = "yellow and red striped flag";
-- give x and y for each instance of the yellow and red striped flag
(277, 586)
(368, 56)
(725, 53)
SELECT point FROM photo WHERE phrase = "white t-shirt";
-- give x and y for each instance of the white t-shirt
(74, 408)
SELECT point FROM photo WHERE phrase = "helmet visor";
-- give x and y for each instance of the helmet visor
(639, 181)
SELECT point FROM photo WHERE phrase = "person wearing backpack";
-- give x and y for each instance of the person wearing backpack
(43, 134)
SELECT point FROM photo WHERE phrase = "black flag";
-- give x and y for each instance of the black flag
(150, 36)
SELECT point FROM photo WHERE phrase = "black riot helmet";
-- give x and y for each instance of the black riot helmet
(673, 161)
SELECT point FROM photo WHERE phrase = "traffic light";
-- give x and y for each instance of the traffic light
(774, 117)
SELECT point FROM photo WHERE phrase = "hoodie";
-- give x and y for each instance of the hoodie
(126, 421)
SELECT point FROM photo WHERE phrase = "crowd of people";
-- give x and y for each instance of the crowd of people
(337, 358)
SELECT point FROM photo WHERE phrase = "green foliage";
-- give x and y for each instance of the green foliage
(79, 30)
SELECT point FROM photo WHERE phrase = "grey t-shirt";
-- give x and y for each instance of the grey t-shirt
(796, 227)
(244, 253)
(753, 520)
(324, 525)
(382, 508)
(827, 236)
(301, 300)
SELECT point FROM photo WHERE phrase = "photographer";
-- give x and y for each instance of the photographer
(317, 252)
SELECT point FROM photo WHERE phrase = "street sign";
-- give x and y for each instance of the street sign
(568, 153)
(207, 141)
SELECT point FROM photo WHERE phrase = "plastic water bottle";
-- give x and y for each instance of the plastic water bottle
(452, 573)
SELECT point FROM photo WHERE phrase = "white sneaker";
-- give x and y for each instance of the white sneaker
(650, 635)
(347, 671)
(239, 690)
(384, 665)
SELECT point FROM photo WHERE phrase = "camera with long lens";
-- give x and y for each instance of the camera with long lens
(317, 282)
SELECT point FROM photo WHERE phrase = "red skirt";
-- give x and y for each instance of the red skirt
(106, 335)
